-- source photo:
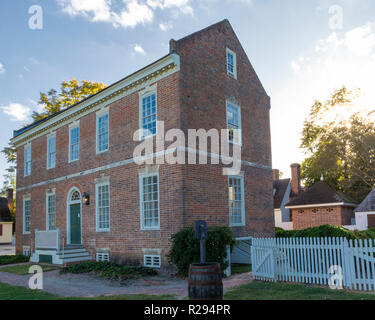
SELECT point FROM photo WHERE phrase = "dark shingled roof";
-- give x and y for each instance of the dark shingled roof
(5, 215)
(368, 204)
(319, 193)
(280, 186)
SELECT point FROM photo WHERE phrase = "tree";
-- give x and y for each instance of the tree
(339, 140)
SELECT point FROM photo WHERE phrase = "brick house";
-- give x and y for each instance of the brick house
(80, 193)
(284, 190)
(320, 205)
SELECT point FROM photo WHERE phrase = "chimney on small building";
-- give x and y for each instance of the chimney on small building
(296, 180)
(276, 174)
(9, 196)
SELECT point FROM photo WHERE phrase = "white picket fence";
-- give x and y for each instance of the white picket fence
(315, 261)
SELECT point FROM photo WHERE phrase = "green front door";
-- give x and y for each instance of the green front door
(75, 224)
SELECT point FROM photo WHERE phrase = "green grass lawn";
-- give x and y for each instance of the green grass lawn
(240, 268)
(8, 292)
(281, 291)
(22, 270)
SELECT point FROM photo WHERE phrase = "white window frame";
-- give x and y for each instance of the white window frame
(26, 198)
(100, 256)
(234, 74)
(141, 177)
(49, 194)
(102, 184)
(25, 171)
(49, 165)
(100, 114)
(153, 258)
(243, 214)
(142, 95)
(26, 249)
(71, 128)
(239, 121)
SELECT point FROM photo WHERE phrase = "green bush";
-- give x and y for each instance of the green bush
(186, 249)
(4, 260)
(109, 270)
(326, 231)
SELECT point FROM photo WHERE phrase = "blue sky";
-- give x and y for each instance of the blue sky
(297, 52)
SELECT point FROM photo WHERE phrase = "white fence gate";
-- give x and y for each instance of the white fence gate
(315, 261)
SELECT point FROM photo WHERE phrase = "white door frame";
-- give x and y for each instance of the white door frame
(70, 202)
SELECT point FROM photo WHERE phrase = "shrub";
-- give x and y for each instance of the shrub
(186, 249)
(109, 270)
(326, 231)
(4, 260)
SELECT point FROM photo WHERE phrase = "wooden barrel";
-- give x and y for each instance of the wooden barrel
(205, 281)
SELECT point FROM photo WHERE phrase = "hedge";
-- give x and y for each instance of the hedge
(186, 248)
(5, 260)
(326, 231)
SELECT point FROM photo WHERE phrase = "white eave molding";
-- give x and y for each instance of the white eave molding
(167, 65)
(335, 204)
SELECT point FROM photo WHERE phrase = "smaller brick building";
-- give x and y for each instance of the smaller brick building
(320, 205)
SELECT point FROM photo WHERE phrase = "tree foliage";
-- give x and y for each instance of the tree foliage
(339, 140)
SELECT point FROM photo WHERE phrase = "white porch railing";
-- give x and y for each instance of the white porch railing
(47, 239)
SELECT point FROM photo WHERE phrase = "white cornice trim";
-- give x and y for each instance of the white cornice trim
(143, 78)
(335, 204)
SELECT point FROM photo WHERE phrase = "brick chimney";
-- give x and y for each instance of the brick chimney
(276, 174)
(9, 196)
(296, 180)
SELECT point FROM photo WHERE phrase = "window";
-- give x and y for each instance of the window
(231, 63)
(150, 202)
(234, 123)
(102, 132)
(26, 251)
(27, 166)
(149, 117)
(51, 151)
(236, 201)
(26, 215)
(51, 211)
(74, 144)
(152, 261)
(101, 257)
(102, 207)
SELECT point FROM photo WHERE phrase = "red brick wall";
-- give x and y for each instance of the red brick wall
(314, 217)
(205, 87)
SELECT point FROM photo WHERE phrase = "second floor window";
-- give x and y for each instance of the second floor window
(103, 133)
(74, 144)
(51, 152)
(51, 212)
(149, 117)
(27, 165)
(234, 123)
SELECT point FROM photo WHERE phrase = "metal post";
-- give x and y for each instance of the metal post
(203, 250)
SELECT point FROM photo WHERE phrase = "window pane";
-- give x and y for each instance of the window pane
(27, 215)
(103, 133)
(149, 114)
(235, 201)
(74, 144)
(51, 202)
(103, 207)
(150, 205)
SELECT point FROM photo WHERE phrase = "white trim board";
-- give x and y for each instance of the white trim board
(336, 204)
(129, 161)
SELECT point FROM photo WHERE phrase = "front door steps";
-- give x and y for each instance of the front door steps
(69, 254)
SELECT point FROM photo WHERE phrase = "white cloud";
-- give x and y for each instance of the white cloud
(138, 48)
(17, 111)
(2, 69)
(165, 26)
(342, 59)
(128, 15)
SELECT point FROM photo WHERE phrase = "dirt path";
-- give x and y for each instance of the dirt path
(72, 285)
